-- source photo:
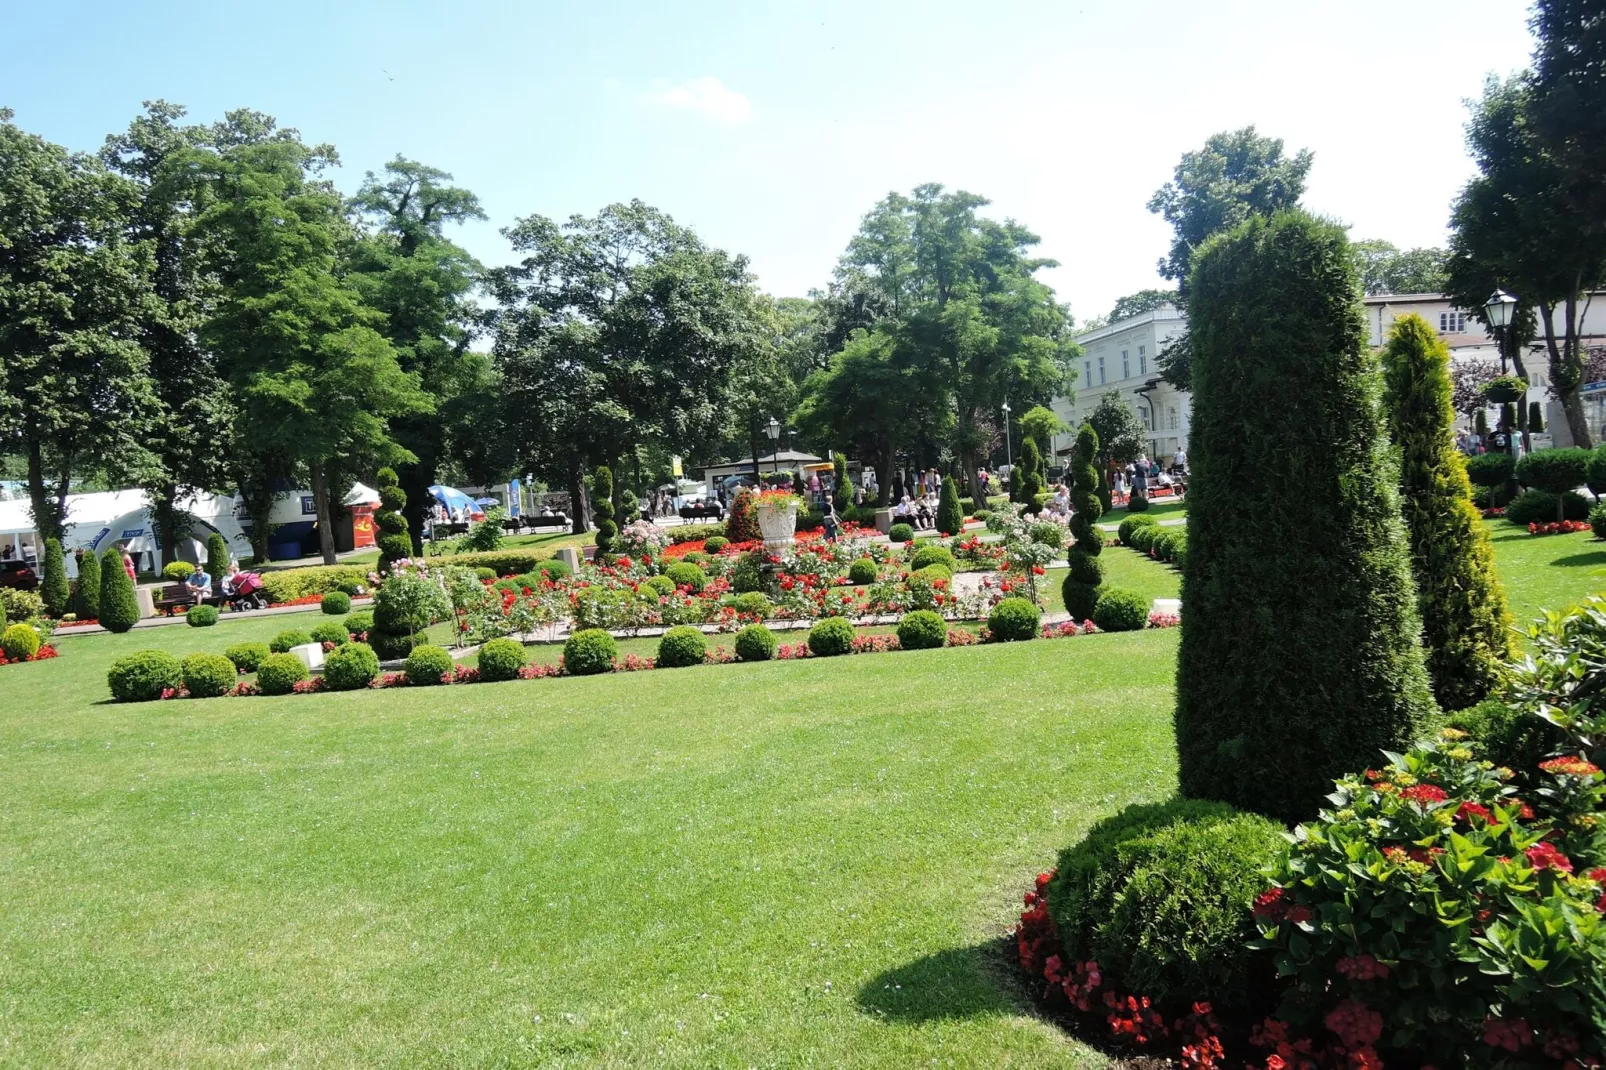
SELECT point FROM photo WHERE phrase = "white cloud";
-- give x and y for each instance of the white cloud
(707, 96)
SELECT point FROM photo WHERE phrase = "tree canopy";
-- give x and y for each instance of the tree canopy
(1385, 269)
(1139, 303)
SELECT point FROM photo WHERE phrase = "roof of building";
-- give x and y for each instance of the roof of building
(1164, 312)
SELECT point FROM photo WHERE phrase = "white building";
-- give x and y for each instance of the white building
(1122, 358)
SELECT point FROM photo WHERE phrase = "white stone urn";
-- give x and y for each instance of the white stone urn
(777, 523)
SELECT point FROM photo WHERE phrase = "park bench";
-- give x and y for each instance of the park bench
(173, 596)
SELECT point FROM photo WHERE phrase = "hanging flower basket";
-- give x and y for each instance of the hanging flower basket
(1505, 388)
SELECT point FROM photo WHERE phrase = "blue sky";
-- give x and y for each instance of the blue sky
(772, 128)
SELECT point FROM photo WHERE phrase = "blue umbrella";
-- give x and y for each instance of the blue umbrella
(451, 497)
(486, 501)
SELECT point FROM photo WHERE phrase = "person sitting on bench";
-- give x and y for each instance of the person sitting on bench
(199, 585)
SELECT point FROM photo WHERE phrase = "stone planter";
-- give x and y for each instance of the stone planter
(778, 524)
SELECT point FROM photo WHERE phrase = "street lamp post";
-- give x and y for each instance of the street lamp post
(1499, 310)
(774, 431)
(1009, 448)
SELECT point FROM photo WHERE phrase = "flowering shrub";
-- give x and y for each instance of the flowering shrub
(1065, 629)
(1433, 907)
(1558, 527)
(44, 653)
(642, 538)
(1158, 619)
(1563, 680)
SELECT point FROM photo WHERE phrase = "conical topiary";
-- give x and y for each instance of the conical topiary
(395, 544)
(1081, 587)
(1480, 423)
(1536, 418)
(53, 586)
(602, 509)
(950, 518)
(217, 560)
(87, 602)
(119, 609)
(1300, 658)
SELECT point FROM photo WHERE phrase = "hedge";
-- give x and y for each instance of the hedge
(1302, 643)
(289, 584)
(1539, 507)
(336, 603)
(505, 562)
(87, 590)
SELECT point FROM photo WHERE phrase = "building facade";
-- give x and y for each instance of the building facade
(1123, 358)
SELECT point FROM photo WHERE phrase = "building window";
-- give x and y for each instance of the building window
(1452, 323)
(1126, 365)
(1143, 360)
(1101, 371)
(1143, 414)
(1087, 372)
(1171, 418)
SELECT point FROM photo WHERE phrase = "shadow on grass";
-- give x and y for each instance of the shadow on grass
(962, 982)
(1594, 557)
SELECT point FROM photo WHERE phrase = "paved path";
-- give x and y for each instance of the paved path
(230, 615)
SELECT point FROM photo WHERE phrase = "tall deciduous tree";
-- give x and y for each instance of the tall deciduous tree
(1304, 648)
(1465, 626)
(316, 380)
(1235, 175)
(1385, 269)
(1519, 226)
(75, 388)
(405, 267)
(1139, 303)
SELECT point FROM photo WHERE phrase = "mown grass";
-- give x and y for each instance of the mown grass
(1543, 572)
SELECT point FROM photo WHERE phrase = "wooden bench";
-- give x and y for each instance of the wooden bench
(174, 595)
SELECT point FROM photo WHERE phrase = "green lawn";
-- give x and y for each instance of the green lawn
(1122, 568)
(548, 540)
(1546, 571)
(804, 863)
(1160, 509)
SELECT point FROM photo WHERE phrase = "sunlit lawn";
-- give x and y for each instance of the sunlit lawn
(1546, 571)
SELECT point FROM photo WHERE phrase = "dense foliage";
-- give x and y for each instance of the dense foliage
(1273, 312)
(19, 642)
(290, 637)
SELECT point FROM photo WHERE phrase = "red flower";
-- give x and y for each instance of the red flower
(1569, 766)
(1356, 1024)
(1544, 855)
(1426, 794)
(1469, 810)
(1269, 905)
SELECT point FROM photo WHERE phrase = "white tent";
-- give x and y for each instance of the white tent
(96, 520)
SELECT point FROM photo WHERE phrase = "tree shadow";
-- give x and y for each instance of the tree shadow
(962, 982)
(1594, 557)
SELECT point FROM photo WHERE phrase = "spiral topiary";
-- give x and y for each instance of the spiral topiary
(831, 637)
(1080, 589)
(589, 652)
(755, 643)
(351, 667)
(280, 673)
(501, 659)
(1013, 620)
(395, 544)
(681, 647)
(602, 509)
(208, 675)
(922, 630)
(427, 666)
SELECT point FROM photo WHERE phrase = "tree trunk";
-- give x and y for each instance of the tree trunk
(320, 500)
(164, 517)
(49, 512)
(1566, 371)
(884, 476)
(580, 522)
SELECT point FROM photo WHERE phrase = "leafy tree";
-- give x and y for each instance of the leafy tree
(87, 601)
(53, 587)
(1469, 380)
(1236, 175)
(1139, 303)
(1080, 588)
(1517, 226)
(118, 607)
(1040, 424)
(1384, 269)
(404, 266)
(950, 517)
(1122, 436)
(1465, 625)
(74, 290)
(316, 381)
(602, 503)
(1569, 101)
(1298, 651)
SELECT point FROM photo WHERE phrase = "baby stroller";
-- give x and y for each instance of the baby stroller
(244, 591)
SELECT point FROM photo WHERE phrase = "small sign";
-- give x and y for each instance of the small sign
(674, 466)
(309, 505)
(133, 533)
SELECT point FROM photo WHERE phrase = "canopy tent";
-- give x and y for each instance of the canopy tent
(453, 499)
(361, 494)
(98, 519)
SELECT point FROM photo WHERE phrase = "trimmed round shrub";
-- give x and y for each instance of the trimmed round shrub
(681, 647)
(901, 533)
(753, 602)
(933, 555)
(1160, 894)
(1161, 546)
(501, 659)
(686, 574)
(831, 637)
(331, 631)
(589, 652)
(696, 557)
(19, 642)
(1121, 611)
(1597, 521)
(280, 673)
(349, 588)
(208, 675)
(201, 616)
(862, 571)
(281, 643)
(1137, 503)
(662, 586)
(554, 569)
(981, 514)
(755, 643)
(177, 571)
(351, 667)
(1014, 620)
(336, 603)
(1131, 524)
(247, 657)
(483, 573)
(715, 543)
(143, 675)
(1555, 470)
(1143, 537)
(922, 630)
(359, 623)
(1539, 507)
(1490, 469)
(933, 572)
(1080, 587)
(426, 666)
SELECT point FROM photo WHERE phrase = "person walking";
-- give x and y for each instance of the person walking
(829, 520)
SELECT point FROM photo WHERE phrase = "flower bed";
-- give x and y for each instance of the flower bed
(44, 653)
(1558, 527)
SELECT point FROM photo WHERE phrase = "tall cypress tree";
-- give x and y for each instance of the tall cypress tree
(950, 518)
(53, 587)
(217, 560)
(87, 602)
(1081, 587)
(602, 507)
(1464, 618)
(118, 607)
(1299, 658)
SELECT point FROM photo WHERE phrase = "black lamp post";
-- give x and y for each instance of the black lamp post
(773, 430)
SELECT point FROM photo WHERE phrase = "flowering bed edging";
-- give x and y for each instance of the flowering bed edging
(1558, 527)
(44, 653)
